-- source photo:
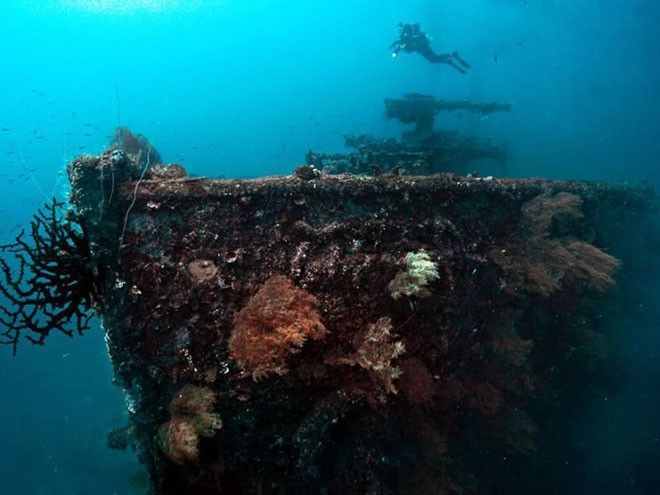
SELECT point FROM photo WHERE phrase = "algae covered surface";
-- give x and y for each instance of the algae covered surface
(399, 334)
(297, 247)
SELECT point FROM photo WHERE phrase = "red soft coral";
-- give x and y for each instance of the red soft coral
(273, 325)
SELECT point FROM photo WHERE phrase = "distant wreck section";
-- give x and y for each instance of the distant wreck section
(421, 151)
(319, 334)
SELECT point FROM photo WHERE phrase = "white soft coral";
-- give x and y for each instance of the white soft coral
(412, 281)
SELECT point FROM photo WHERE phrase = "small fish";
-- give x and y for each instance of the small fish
(5, 129)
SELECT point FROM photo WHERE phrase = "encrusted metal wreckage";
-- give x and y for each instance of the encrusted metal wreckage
(423, 150)
(345, 334)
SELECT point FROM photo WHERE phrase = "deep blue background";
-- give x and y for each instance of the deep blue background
(243, 88)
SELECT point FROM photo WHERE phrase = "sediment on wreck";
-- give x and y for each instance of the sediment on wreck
(348, 334)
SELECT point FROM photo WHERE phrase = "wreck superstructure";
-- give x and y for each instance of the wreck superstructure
(348, 334)
(424, 149)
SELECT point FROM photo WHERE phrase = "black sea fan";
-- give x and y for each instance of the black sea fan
(52, 282)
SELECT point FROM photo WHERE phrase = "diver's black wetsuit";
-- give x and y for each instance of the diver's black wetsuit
(413, 39)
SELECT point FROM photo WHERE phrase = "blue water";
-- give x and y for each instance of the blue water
(244, 88)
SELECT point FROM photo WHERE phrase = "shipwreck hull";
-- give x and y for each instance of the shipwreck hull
(323, 363)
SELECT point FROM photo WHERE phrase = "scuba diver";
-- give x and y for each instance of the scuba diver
(413, 39)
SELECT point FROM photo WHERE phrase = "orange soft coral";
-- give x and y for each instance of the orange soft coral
(376, 349)
(273, 325)
(196, 404)
(192, 415)
(179, 441)
(535, 262)
(543, 211)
